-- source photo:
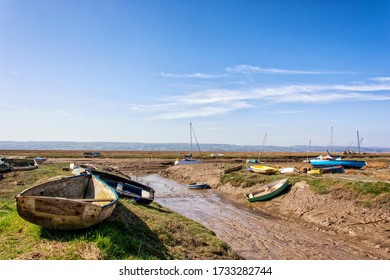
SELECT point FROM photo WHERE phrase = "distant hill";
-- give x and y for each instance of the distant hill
(134, 146)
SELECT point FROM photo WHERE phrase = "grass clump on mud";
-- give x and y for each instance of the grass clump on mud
(367, 190)
(133, 231)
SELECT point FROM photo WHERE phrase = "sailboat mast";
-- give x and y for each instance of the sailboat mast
(308, 151)
(331, 139)
(358, 141)
(191, 137)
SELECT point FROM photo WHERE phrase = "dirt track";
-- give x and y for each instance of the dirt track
(296, 225)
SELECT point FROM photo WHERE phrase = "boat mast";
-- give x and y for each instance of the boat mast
(191, 139)
(358, 139)
(308, 151)
(331, 139)
(193, 131)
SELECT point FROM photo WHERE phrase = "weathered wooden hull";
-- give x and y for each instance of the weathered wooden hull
(69, 203)
(267, 191)
(232, 169)
(21, 164)
(126, 187)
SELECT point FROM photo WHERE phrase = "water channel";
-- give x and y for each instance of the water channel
(252, 233)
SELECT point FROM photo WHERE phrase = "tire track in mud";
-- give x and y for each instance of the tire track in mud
(252, 233)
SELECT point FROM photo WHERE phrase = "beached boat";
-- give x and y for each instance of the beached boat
(188, 159)
(232, 169)
(92, 154)
(333, 162)
(289, 170)
(40, 160)
(21, 164)
(263, 169)
(4, 166)
(314, 171)
(69, 203)
(267, 191)
(197, 185)
(126, 187)
(332, 169)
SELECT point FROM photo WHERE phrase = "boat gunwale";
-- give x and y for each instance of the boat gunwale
(21, 194)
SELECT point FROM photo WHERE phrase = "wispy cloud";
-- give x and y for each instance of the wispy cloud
(213, 102)
(189, 75)
(250, 69)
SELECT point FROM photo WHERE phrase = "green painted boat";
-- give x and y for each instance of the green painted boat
(267, 191)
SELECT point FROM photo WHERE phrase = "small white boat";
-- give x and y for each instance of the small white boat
(289, 170)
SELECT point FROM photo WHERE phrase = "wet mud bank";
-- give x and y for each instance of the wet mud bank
(304, 225)
(298, 224)
(254, 233)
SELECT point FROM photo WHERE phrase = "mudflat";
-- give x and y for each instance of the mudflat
(298, 224)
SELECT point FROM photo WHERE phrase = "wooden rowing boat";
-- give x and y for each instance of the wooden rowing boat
(21, 164)
(263, 169)
(267, 191)
(232, 169)
(68, 203)
(126, 187)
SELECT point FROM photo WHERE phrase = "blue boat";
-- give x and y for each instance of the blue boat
(197, 185)
(357, 164)
(187, 161)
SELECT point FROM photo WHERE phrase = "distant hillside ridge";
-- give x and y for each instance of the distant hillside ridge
(135, 146)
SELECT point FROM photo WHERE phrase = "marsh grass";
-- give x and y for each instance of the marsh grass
(133, 231)
(318, 184)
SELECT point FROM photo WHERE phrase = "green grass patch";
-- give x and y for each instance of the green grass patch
(318, 184)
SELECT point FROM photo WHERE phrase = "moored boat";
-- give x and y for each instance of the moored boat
(314, 171)
(126, 187)
(263, 169)
(198, 185)
(332, 169)
(267, 191)
(69, 203)
(40, 160)
(189, 159)
(289, 170)
(334, 162)
(21, 164)
(232, 169)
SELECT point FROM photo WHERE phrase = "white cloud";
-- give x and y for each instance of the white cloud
(381, 79)
(212, 102)
(249, 69)
(189, 76)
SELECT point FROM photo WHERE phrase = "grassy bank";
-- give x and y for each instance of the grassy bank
(368, 191)
(132, 232)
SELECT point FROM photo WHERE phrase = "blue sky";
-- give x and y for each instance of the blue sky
(141, 71)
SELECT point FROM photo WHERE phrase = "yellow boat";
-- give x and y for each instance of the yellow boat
(315, 171)
(263, 169)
